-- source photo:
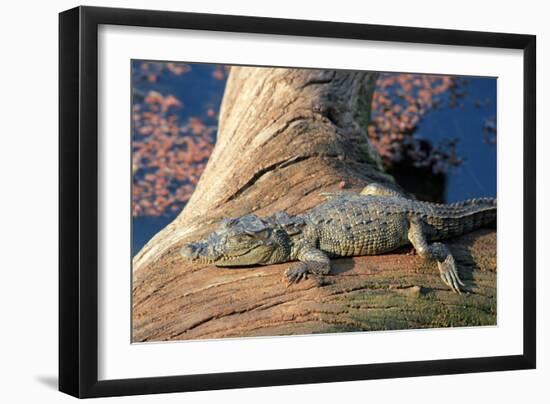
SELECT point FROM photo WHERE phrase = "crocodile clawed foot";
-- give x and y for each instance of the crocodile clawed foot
(449, 274)
(296, 273)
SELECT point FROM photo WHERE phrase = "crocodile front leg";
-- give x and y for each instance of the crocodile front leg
(311, 261)
(435, 251)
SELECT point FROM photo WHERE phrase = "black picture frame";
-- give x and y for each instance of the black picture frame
(78, 196)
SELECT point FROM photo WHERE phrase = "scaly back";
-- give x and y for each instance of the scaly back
(441, 220)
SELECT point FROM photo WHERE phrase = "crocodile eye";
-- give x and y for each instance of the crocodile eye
(259, 234)
(243, 237)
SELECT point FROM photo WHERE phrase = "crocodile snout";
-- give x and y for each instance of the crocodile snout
(191, 251)
(199, 251)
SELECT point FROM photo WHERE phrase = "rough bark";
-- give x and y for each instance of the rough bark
(285, 136)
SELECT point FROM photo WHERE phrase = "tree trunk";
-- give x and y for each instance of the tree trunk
(285, 136)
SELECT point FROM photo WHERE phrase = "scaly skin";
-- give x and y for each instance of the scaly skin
(377, 220)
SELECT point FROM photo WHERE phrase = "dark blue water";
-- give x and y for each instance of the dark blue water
(145, 227)
(475, 177)
(197, 89)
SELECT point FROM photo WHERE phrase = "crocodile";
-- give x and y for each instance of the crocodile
(377, 220)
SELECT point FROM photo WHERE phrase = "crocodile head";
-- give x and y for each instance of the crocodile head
(248, 240)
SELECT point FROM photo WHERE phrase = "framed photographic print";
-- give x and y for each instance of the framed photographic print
(251, 201)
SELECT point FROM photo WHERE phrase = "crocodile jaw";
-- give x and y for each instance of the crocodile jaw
(204, 253)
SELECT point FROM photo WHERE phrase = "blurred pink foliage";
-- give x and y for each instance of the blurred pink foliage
(150, 71)
(168, 156)
(400, 102)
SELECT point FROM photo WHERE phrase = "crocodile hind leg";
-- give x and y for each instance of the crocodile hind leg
(311, 261)
(435, 251)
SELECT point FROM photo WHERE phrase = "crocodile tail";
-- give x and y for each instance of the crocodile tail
(462, 217)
